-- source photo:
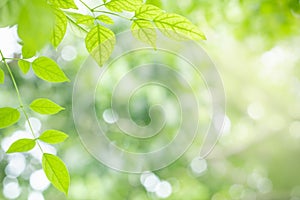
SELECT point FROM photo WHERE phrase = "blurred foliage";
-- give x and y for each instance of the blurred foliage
(255, 44)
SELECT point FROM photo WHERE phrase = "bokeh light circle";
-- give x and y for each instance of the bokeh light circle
(110, 102)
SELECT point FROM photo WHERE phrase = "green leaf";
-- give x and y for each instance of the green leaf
(86, 20)
(24, 65)
(9, 12)
(53, 136)
(82, 19)
(45, 106)
(105, 19)
(148, 12)
(35, 24)
(121, 5)
(65, 4)
(2, 76)
(144, 31)
(56, 171)
(22, 145)
(48, 70)
(178, 27)
(60, 27)
(157, 3)
(100, 42)
(8, 117)
(27, 51)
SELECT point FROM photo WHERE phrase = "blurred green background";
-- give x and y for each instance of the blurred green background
(255, 45)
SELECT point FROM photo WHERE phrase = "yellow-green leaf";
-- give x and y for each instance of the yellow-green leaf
(8, 117)
(157, 3)
(82, 19)
(105, 19)
(86, 20)
(24, 66)
(53, 136)
(144, 31)
(2, 76)
(178, 27)
(45, 106)
(148, 12)
(27, 51)
(35, 24)
(56, 171)
(48, 70)
(9, 12)
(66, 4)
(121, 5)
(21, 145)
(100, 42)
(60, 27)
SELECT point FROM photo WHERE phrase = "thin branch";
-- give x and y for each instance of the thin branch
(86, 5)
(98, 7)
(73, 22)
(19, 97)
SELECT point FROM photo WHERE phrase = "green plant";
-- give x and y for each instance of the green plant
(33, 18)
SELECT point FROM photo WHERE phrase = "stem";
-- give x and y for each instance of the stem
(86, 5)
(13, 59)
(19, 97)
(73, 22)
(111, 13)
(98, 6)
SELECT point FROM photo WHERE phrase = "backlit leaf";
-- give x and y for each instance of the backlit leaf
(66, 4)
(121, 5)
(8, 116)
(178, 27)
(22, 145)
(60, 27)
(48, 70)
(24, 66)
(157, 3)
(100, 42)
(144, 31)
(53, 136)
(148, 12)
(45, 106)
(105, 19)
(82, 19)
(56, 171)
